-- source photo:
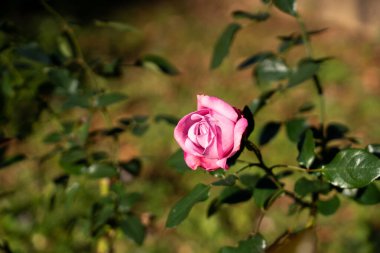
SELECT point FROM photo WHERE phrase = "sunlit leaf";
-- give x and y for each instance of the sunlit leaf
(307, 155)
(222, 46)
(270, 70)
(183, 207)
(352, 168)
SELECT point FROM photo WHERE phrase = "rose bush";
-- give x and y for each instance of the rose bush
(210, 135)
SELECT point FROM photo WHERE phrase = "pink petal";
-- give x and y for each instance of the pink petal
(239, 130)
(225, 135)
(182, 128)
(209, 164)
(192, 148)
(222, 163)
(192, 161)
(217, 105)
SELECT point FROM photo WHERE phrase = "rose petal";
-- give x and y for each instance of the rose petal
(208, 164)
(225, 136)
(222, 163)
(192, 161)
(192, 148)
(182, 128)
(218, 105)
(239, 130)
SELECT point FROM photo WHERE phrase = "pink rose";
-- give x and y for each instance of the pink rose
(210, 135)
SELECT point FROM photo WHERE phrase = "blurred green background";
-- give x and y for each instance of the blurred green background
(184, 32)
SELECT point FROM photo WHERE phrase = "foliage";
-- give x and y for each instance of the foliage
(327, 162)
(71, 186)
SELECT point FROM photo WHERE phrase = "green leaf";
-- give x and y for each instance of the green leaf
(53, 137)
(287, 6)
(249, 180)
(73, 160)
(306, 69)
(140, 129)
(123, 27)
(269, 131)
(183, 207)
(255, 59)
(100, 170)
(270, 70)
(374, 149)
(307, 155)
(254, 244)
(12, 160)
(369, 195)
(336, 131)
(258, 16)
(159, 62)
(177, 161)
(352, 168)
(258, 103)
(234, 195)
(133, 228)
(265, 192)
(306, 107)
(171, 120)
(77, 100)
(107, 99)
(289, 41)
(228, 181)
(222, 46)
(133, 166)
(295, 128)
(101, 214)
(328, 207)
(304, 186)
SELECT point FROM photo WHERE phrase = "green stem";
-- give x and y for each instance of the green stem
(309, 53)
(305, 36)
(284, 166)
